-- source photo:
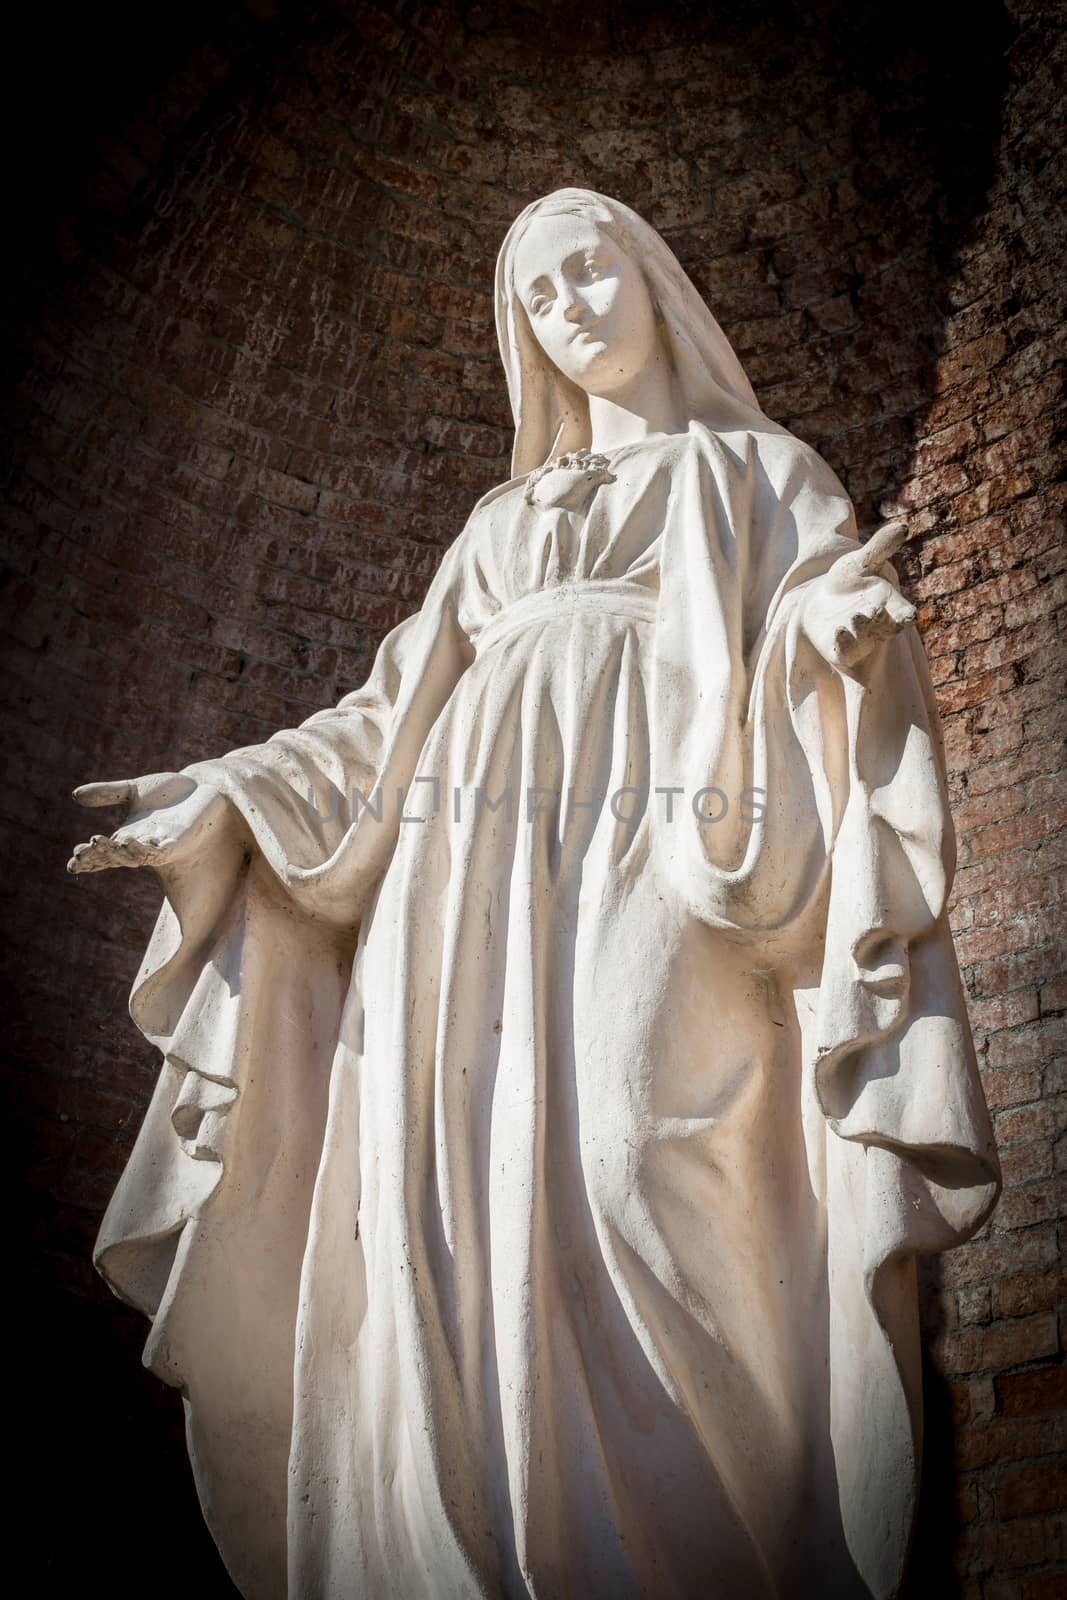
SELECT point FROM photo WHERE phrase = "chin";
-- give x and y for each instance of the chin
(594, 364)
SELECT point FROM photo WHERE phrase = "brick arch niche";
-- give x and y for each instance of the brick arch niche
(254, 393)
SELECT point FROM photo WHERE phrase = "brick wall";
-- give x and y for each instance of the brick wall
(258, 392)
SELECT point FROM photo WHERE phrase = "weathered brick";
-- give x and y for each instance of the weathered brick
(1010, 1088)
(1025, 1542)
(1023, 1491)
(1030, 1292)
(1025, 1164)
(1004, 1011)
(1001, 1344)
(1044, 1120)
(1024, 1394)
(1024, 1204)
(992, 1257)
(1052, 995)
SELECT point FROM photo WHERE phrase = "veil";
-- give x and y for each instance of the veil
(551, 413)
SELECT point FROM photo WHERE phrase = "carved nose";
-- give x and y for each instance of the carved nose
(574, 312)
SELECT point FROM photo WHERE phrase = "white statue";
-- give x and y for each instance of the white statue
(565, 1056)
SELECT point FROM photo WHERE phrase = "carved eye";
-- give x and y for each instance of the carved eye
(539, 303)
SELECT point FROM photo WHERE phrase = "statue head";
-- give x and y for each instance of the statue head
(586, 301)
(587, 295)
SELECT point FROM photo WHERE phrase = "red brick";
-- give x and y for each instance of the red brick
(954, 443)
(1024, 1204)
(1045, 1586)
(988, 1258)
(949, 636)
(1010, 1088)
(1004, 1546)
(1026, 1394)
(1017, 1437)
(1025, 1047)
(1001, 1344)
(1022, 1165)
(1028, 829)
(1031, 1292)
(977, 356)
(1019, 897)
(1012, 645)
(1042, 1121)
(1053, 995)
(1004, 1011)
(997, 939)
(1023, 1491)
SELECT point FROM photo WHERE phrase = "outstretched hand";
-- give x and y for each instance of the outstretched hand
(170, 814)
(851, 608)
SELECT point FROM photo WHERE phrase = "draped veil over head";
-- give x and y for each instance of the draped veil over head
(551, 413)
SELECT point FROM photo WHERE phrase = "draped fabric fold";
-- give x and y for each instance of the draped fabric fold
(853, 858)
(530, 1198)
(205, 1230)
(324, 801)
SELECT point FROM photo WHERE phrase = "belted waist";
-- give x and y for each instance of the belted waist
(564, 601)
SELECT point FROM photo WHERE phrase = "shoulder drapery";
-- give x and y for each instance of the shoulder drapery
(841, 886)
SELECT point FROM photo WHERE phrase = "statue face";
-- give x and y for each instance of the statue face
(587, 302)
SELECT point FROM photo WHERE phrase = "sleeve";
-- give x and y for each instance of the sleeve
(842, 885)
(322, 801)
(242, 989)
(907, 1163)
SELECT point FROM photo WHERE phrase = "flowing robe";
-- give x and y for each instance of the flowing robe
(530, 1199)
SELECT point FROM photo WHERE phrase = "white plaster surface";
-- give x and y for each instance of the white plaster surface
(530, 1198)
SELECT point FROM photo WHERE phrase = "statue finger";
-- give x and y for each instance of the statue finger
(871, 557)
(135, 849)
(116, 793)
(861, 622)
(96, 855)
(77, 862)
(844, 644)
(882, 546)
(121, 849)
(879, 627)
(900, 610)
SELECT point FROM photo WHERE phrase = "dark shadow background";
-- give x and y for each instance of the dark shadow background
(252, 391)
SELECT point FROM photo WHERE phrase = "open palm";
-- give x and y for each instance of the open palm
(851, 608)
(170, 816)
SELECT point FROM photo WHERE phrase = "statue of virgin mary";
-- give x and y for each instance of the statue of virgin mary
(564, 1053)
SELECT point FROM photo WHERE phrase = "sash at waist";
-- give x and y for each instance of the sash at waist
(565, 601)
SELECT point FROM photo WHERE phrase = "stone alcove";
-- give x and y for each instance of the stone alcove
(256, 393)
